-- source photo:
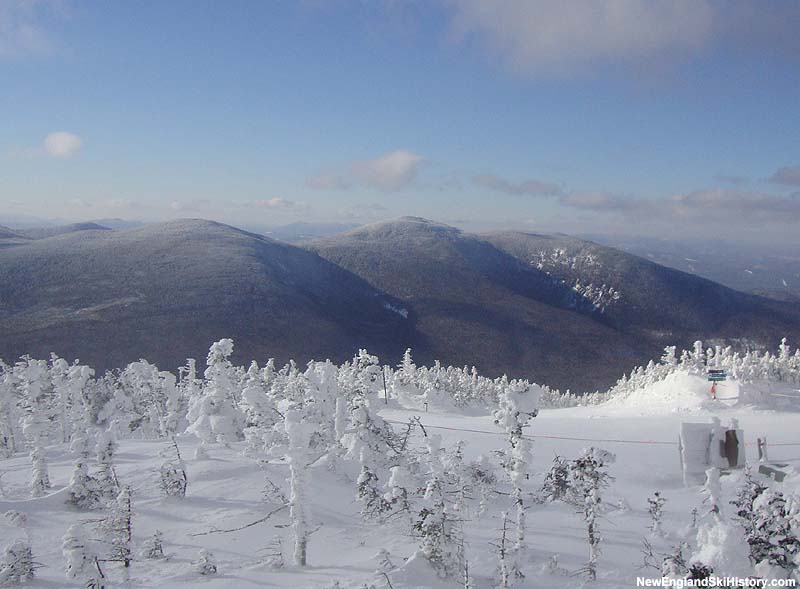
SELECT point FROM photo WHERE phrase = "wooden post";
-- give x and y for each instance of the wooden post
(762, 449)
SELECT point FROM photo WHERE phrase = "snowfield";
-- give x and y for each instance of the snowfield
(227, 491)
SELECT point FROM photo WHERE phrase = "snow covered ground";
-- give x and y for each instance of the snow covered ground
(226, 491)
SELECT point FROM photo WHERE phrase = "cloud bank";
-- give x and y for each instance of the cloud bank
(555, 36)
(389, 172)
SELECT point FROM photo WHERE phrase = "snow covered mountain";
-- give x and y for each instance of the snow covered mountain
(558, 310)
(158, 291)
(561, 310)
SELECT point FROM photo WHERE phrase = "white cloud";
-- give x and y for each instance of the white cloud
(553, 35)
(392, 171)
(389, 172)
(61, 144)
(699, 206)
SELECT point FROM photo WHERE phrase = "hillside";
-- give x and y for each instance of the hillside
(637, 295)
(560, 310)
(45, 232)
(474, 304)
(162, 291)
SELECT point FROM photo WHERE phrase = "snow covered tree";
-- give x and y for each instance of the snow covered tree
(259, 410)
(774, 542)
(299, 431)
(213, 415)
(507, 570)
(517, 406)
(17, 564)
(484, 478)
(38, 417)
(205, 564)
(106, 478)
(77, 555)
(83, 490)
(439, 530)
(173, 474)
(9, 411)
(556, 481)
(117, 532)
(655, 507)
(587, 480)
(153, 546)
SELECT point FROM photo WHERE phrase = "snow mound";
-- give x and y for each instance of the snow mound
(678, 392)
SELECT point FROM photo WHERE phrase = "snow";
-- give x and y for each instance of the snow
(225, 492)
(245, 510)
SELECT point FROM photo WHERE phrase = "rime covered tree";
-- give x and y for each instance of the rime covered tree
(213, 416)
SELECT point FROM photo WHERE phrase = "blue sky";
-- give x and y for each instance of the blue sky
(674, 118)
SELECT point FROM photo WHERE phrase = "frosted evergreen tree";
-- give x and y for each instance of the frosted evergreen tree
(258, 409)
(517, 406)
(299, 432)
(556, 481)
(439, 530)
(106, 478)
(117, 532)
(17, 564)
(153, 546)
(9, 411)
(400, 488)
(205, 564)
(774, 543)
(83, 490)
(213, 416)
(38, 418)
(655, 507)
(587, 480)
(173, 479)
(484, 478)
(77, 555)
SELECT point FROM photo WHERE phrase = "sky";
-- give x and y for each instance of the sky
(670, 118)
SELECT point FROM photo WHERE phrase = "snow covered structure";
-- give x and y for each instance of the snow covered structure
(709, 445)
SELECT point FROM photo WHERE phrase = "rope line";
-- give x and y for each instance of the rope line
(539, 436)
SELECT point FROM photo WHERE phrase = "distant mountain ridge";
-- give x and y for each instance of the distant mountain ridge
(554, 309)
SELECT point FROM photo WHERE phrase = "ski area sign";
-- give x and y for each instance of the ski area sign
(715, 375)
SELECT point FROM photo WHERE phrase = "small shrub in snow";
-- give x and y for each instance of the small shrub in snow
(153, 547)
(656, 510)
(556, 481)
(173, 475)
(272, 553)
(205, 564)
(17, 565)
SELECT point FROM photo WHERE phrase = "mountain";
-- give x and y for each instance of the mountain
(45, 232)
(768, 271)
(117, 223)
(556, 309)
(166, 291)
(636, 295)
(6, 233)
(472, 303)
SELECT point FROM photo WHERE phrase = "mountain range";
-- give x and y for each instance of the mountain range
(555, 309)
